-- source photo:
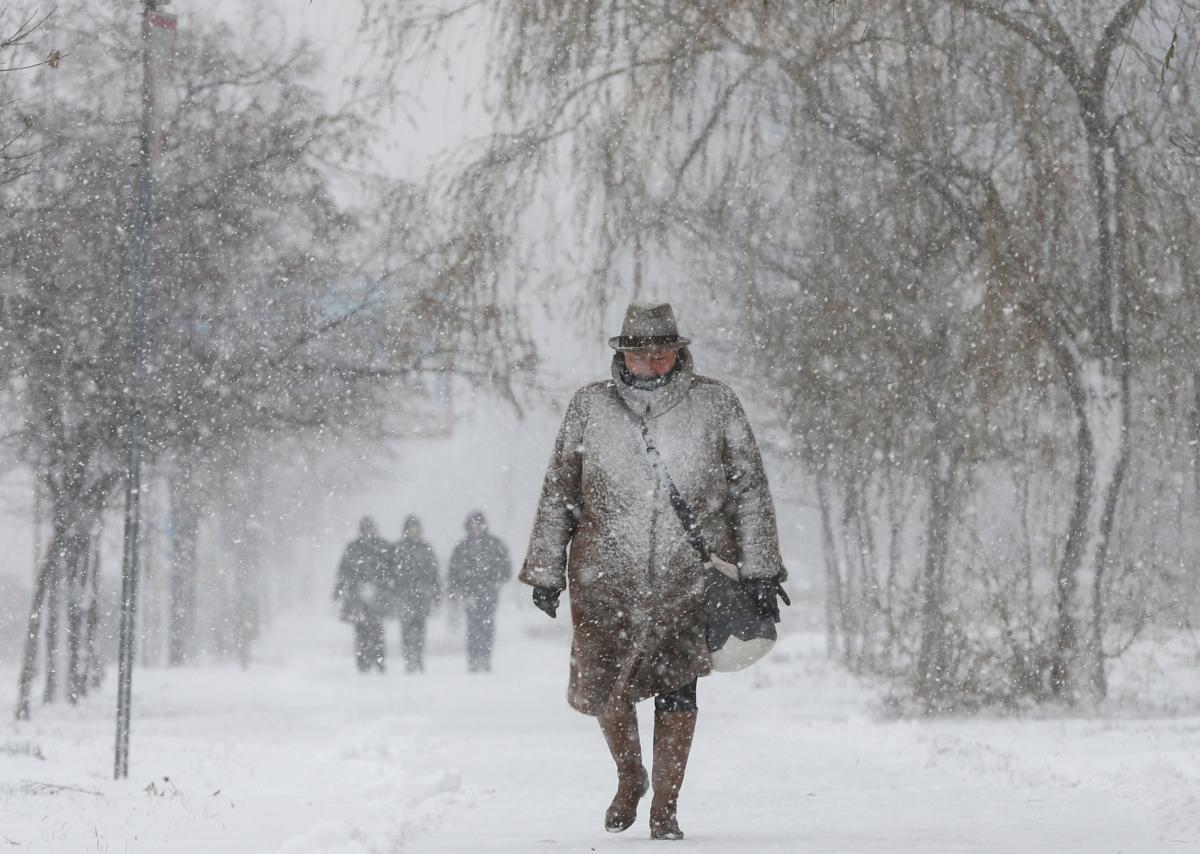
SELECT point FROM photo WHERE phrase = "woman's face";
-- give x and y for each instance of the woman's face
(650, 364)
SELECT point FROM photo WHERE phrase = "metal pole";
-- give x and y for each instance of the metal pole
(37, 517)
(129, 564)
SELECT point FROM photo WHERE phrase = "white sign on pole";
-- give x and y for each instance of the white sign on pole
(162, 31)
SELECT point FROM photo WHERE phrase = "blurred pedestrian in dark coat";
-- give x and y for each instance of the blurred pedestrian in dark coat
(417, 591)
(365, 582)
(479, 565)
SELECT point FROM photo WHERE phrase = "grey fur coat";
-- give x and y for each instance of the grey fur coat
(636, 585)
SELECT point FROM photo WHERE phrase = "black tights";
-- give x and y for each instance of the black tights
(681, 699)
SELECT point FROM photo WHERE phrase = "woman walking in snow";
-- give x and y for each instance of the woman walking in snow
(636, 585)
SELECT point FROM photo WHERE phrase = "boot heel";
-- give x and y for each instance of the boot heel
(665, 826)
(622, 813)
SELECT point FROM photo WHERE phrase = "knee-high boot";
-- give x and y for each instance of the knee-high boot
(673, 733)
(621, 732)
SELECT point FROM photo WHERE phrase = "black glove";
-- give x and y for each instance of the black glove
(546, 599)
(766, 593)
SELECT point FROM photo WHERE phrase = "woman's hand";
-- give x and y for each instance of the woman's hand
(546, 599)
(766, 593)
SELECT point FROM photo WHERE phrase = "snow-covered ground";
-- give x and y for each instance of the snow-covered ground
(300, 754)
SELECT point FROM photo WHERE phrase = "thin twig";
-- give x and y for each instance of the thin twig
(57, 787)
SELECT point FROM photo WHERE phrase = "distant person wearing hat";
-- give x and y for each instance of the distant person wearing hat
(479, 565)
(636, 583)
(417, 591)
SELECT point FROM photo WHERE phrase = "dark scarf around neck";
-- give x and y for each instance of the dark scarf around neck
(651, 383)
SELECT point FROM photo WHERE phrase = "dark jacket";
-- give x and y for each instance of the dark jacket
(365, 580)
(478, 566)
(417, 584)
(636, 585)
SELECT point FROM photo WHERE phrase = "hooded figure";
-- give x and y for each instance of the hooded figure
(479, 565)
(364, 587)
(636, 584)
(417, 591)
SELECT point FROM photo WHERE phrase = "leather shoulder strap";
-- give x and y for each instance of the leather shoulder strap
(687, 518)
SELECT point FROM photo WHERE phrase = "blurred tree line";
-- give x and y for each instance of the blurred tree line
(294, 298)
(961, 237)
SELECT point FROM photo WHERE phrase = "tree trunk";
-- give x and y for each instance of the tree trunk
(1101, 413)
(53, 609)
(852, 593)
(872, 606)
(933, 659)
(835, 607)
(53, 606)
(95, 665)
(33, 627)
(895, 532)
(75, 515)
(1099, 676)
(185, 526)
(1099, 388)
(1119, 394)
(75, 626)
(66, 584)
(77, 585)
(1066, 581)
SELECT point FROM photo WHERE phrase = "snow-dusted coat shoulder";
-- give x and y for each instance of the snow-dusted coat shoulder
(636, 586)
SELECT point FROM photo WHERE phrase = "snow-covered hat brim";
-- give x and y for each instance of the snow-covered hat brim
(637, 344)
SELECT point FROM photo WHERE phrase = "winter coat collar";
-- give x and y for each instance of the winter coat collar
(651, 403)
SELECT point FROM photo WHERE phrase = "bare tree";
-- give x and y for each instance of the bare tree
(245, 333)
(948, 212)
(18, 42)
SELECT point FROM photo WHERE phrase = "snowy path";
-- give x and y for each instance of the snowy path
(301, 755)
